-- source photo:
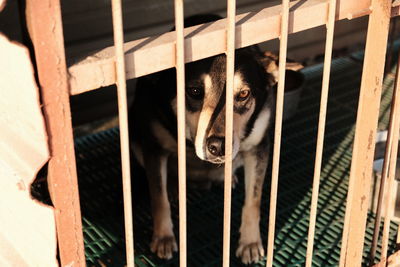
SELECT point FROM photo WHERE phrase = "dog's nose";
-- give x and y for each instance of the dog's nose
(216, 146)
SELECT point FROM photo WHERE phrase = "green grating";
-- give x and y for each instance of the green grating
(98, 161)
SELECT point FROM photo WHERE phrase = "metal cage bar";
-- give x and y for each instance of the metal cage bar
(363, 149)
(118, 30)
(46, 31)
(392, 143)
(180, 76)
(364, 145)
(97, 70)
(230, 71)
(384, 190)
(278, 130)
(321, 129)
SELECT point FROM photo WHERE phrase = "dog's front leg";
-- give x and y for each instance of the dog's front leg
(250, 248)
(163, 242)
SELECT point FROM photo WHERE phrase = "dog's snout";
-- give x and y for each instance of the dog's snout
(216, 146)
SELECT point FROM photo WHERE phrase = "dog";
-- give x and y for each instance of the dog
(154, 137)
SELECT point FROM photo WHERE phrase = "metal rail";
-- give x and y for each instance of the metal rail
(230, 71)
(180, 78)
(118, 30)
(321, 129)
(278, 130)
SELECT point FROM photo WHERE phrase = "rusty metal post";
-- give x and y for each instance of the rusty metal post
(364, 140)
(45, 28)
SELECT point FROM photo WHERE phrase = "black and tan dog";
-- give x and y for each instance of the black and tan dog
(154, 134)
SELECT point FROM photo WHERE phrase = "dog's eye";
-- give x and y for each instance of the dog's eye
(195, 92)
(243, 95)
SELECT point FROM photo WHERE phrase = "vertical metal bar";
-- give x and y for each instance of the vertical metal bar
(118, 30)
(278, 130)
(321, 128)
(392, 37)
(364, 140)
(230, 71)
(46, 31)
(383, 190)
(398, 235)
(393, 134)
(180, 76)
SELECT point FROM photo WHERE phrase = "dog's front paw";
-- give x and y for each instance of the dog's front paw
(164, 246)
(250, 252)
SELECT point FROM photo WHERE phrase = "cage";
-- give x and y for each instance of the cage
(316, 205)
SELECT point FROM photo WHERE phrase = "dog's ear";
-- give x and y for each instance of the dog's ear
(270, 69)
(268, 74)
(271, 80)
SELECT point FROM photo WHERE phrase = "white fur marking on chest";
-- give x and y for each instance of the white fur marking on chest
(258, 131)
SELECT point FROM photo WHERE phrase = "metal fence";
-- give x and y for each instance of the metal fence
(121, 62)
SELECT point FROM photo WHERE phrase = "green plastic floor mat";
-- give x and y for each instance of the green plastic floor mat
(98, 161)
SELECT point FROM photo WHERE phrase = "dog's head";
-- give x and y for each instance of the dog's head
(205, 102)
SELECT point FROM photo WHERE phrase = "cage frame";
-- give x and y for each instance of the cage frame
(58, 82)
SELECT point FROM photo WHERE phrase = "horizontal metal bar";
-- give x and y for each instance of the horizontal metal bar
(97, 70)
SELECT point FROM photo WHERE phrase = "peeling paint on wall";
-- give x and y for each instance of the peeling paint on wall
(27, 227)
